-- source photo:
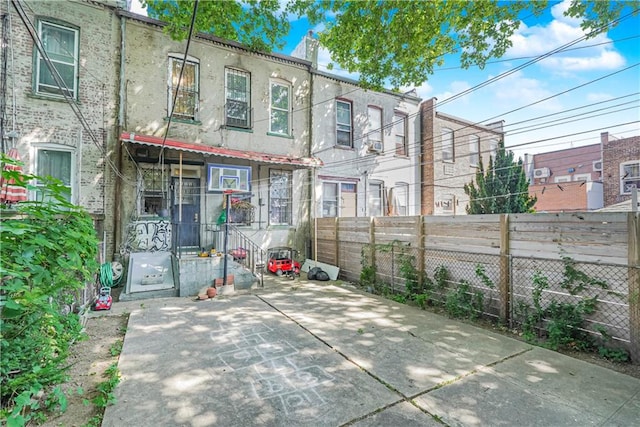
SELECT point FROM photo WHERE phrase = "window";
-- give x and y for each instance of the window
(401, 202)
(344, 135)
(187, 95)
(562, 178)
(61, 46)
(374, 134)
(629, 176)
(238, 101)
(58, 164)
(474, 150)
(447, 145)
(153, 185)
(329, 199)
(400, 132)
(227, 177)
(374, 199)
(280, 121)
(280, 197)
(582, 177)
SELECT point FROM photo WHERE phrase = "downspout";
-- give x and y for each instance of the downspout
(117, 188)
(311, 175)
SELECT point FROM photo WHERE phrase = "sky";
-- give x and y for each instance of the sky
(563, 101)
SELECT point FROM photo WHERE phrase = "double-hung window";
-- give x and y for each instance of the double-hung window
(280, 119)
(400, 132)
(447, 145)
(280, 206)
(402, 199)
(474, 150)
(57, 163)
(238, 98)
(344, 134)
(375, 198)
(330, 194)
(61, 45)
(374, 134)
(183, 93)
(629, 176)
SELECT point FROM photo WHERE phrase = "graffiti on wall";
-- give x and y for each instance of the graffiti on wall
(151, 235)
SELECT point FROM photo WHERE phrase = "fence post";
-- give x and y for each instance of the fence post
(372, 241)
(420, 246)
(505, 276)
(337, 243)
(633, 228)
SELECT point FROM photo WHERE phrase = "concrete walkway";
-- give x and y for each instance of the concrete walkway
(310, 354)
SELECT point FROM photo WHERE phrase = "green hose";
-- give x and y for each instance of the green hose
(106, 276)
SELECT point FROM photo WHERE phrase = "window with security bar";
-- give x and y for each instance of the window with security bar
(60, 43)
(185, 94)
(153, 185)
(280, 197)
(238, 98)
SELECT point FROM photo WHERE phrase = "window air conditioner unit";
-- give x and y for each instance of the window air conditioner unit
(541, 173)
(597, 165)
(375, 146)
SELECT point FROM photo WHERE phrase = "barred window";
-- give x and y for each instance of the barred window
(186, 94)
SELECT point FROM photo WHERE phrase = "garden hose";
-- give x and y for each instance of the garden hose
(107, 277)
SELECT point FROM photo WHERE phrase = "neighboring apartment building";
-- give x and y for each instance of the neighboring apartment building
(620, 167)
(452, 149)
(72, 144)
(368, 142)
(567, 180)
(240, 123)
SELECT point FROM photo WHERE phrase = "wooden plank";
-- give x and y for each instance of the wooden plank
(504, 285)
(633, 257)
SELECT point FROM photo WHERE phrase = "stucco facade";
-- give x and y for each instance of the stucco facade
(369, 144)
(152, 62)
(41, 124)
(451, 152)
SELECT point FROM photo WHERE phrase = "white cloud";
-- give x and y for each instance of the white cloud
(583, 56)
(136, 7)
(516, 91)
(598, 97)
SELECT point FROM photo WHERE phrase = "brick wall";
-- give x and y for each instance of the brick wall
(614, 152)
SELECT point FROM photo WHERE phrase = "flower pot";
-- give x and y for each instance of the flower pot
(211, 292)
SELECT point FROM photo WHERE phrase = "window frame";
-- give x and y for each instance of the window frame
(380, 198)
(631, 179)
(374, 131)
(401, 189)
(273, 109)
(400, 121)
(195, 93)
(474, 150)
(152, 170)
(72, 185)
(349, 125)
(493, 148)
(247, 92)
(447, 148)
(38, 61)
(289, 197)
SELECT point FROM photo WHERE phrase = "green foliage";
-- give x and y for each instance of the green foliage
(482, 274)
(106, 388)
(462, 302)
(116, 348)
(503, 188)
(575, 281)
(409, 273)
(48, 252)
(396, 43)
(441, 277)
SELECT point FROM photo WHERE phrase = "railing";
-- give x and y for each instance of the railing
(211, 236)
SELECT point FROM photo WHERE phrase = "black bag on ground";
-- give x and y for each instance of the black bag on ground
(322, 276)
(311, 275)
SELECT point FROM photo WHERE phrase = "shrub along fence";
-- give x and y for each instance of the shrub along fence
(570, 278)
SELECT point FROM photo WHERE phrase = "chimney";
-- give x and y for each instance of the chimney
(307, 49)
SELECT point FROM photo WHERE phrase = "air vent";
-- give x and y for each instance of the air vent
(541, 173)
(597, 165)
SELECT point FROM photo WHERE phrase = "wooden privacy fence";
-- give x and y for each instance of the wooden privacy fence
(512, 251)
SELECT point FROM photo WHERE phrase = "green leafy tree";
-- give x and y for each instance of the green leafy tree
(49, 251)
(391, 42)
(502, 188)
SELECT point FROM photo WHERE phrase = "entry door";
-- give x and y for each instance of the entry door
(189, 228)
(348, 196)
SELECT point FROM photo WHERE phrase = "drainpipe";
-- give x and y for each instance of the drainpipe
(311, 175)
(117, 188)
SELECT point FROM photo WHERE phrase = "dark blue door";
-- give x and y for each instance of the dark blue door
(188, 228)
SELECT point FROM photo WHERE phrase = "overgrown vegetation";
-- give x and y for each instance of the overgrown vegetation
(105, 396)
(48, 253)
(541, 319)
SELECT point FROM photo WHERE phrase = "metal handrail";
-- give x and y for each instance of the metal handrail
(246, 252)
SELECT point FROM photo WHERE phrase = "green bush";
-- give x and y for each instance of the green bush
(48, 252)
